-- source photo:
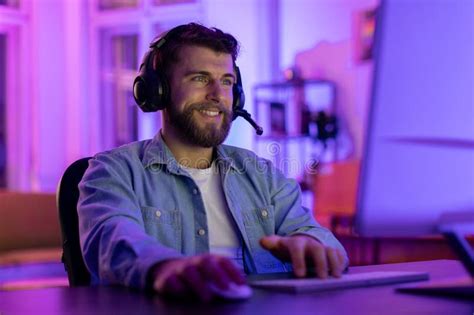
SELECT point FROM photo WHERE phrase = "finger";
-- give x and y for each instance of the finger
(318, 253)
(173, 286)
(270, 242)
(334, 263)
(296, 249)
(342, 259)
(232, 271)
(212, 270)
(196, 282)
(274, 244)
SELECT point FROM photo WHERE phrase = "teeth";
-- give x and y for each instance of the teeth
(209, 112)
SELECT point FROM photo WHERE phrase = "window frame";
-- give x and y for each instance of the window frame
(16, 25)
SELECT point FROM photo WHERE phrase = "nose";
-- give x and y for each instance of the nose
(217, 92)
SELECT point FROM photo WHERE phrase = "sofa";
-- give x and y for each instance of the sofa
(29, 228)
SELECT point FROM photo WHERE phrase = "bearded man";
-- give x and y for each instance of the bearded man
(182, 212)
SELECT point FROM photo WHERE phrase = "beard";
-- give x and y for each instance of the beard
(209, 135)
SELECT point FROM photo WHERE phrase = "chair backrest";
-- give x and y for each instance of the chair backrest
(67, 197)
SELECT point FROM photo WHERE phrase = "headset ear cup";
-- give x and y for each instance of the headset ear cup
(150, 91)
(150, 87)
(140, 93)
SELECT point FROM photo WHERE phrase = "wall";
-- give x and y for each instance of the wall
(316, 36)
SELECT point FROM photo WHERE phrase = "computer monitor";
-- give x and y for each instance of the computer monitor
(417, 175)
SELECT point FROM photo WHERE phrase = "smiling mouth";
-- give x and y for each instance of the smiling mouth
(211, 113)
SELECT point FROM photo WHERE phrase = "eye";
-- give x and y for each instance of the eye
(228, 81)
(201, 78)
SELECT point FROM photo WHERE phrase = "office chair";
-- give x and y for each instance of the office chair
(66, 201)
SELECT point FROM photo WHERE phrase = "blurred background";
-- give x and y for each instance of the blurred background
(66, 74)
(67, 68)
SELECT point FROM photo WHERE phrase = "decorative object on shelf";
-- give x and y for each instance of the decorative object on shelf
(363, 34)
(292, 74)
(326, 125)
(277, 118)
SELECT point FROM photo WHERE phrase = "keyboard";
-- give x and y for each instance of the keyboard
(364, 279)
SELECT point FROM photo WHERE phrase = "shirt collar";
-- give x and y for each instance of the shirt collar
(157, 153)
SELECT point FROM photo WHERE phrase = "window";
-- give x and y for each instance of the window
(10, 3)
(119, 64)
(168, 2)
(3, 101)
(117, 4)
(15, 122)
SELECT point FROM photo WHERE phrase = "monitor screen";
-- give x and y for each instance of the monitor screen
(418, 165)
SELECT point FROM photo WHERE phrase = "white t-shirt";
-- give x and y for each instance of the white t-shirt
(223, 238)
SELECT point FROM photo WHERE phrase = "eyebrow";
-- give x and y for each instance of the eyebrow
(193, 72)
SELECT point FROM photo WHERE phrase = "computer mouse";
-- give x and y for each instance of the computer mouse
(234, 292)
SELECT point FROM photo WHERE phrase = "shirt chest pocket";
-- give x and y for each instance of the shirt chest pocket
(259, 222)
(164, 225)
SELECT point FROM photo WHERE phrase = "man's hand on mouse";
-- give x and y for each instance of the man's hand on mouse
(303, 252)
(190, 277)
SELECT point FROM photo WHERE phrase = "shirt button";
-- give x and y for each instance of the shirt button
(201, 232)
(264, 213)
(195, 191)
(158, 213)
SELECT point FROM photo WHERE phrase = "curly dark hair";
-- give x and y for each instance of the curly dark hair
(192, 34)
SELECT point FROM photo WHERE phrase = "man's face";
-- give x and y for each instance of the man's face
(201, 96)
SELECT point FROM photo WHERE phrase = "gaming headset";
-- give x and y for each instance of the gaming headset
(151, 89)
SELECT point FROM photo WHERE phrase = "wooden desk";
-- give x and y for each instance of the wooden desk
(371, 300)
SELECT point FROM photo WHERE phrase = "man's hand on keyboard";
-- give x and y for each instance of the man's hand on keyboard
(304, 251)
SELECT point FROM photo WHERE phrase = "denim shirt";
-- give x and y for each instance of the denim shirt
(138, 207)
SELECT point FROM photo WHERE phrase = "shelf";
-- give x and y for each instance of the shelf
(283, 137)
(292, 84)
(287, 111)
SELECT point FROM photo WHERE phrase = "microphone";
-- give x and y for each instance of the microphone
(244, 114)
